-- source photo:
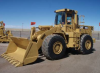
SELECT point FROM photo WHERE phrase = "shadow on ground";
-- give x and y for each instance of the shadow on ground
(72, 51)
(39, 60)
(69, 52)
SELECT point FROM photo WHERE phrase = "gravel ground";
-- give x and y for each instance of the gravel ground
(72, 63)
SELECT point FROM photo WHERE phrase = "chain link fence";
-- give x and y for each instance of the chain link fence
(96, 35)
(26, 34)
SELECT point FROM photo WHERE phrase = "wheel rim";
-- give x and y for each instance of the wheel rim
(88, 44)
(57, 47)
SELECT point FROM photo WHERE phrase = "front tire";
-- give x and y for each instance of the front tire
(54, 47)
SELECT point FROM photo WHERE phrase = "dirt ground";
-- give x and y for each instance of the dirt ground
(72, 63)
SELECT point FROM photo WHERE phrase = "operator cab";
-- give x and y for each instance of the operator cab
(66, 17)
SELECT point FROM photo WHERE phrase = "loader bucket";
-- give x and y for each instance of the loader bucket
(21, 51)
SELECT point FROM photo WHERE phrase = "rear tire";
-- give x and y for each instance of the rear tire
(54, 47)
(86, 44)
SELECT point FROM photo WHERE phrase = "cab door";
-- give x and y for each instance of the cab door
(68, 26)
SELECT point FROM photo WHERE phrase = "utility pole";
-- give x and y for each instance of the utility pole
(22, 26)
(98, 33)
(83, 19)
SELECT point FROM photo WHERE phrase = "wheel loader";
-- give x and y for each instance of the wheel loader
(52, 40)
(4, 35)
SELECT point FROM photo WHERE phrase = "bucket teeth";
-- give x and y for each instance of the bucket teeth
(2, 55)
(7, 58)
(11, 60)
(18, 64)
(14, 63)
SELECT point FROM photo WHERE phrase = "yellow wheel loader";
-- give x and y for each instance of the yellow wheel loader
(4, 35)
(52, 40)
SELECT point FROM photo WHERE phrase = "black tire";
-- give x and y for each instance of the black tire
(83, 49)
(40, 51)
(47, 47)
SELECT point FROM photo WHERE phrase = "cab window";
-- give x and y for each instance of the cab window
(60, 18)
(69, 19)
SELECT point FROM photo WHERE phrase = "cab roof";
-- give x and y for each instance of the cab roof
(66, 10)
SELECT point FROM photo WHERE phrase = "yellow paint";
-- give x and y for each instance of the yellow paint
(57, 47)
(4, 37)
(22, 51)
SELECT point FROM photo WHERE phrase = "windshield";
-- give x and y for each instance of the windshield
(60, 18)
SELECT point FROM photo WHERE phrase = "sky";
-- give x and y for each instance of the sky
(14, 13)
